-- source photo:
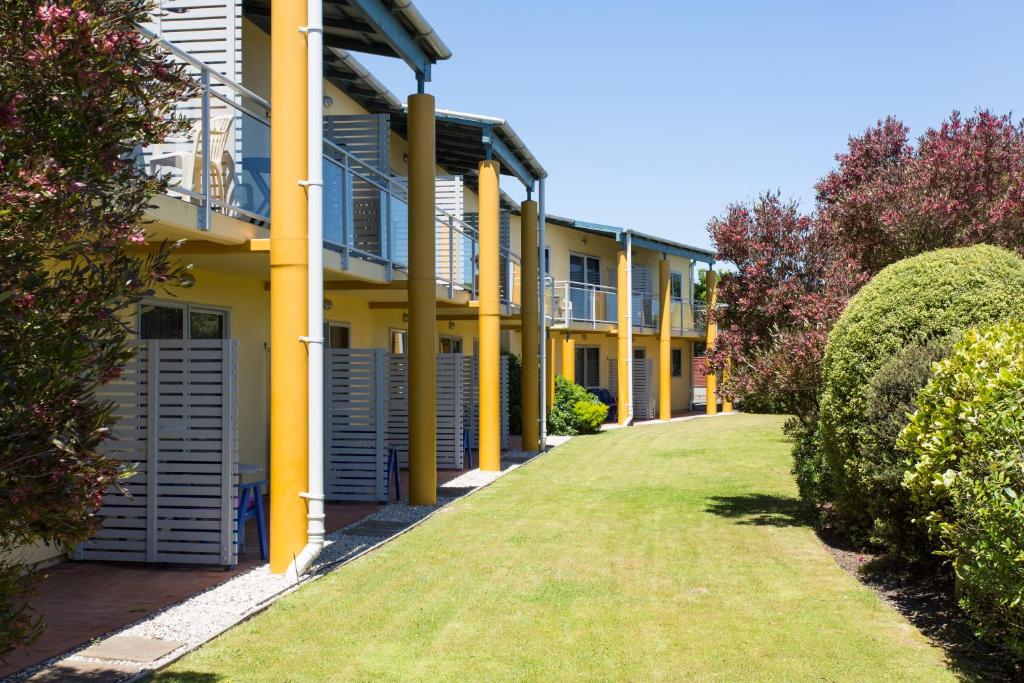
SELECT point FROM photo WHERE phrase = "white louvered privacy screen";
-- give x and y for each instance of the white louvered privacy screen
(176, 404)
(367, 412)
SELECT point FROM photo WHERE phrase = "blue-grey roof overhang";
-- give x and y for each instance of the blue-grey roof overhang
(392, 28)
(464, 140)
(639, 239)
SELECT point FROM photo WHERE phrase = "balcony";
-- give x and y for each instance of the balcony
(572, 304)
(366, 210)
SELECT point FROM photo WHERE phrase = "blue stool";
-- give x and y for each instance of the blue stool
(250, 505)
(393, 471)
(467, 449)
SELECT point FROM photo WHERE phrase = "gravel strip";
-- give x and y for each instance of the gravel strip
(208, 614)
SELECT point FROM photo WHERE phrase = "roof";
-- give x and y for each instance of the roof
(462, 142)
(638, 238)
(392, 28)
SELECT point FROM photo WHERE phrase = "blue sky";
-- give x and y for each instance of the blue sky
(655, 114)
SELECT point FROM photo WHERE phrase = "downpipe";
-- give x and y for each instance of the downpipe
(629, 317)
(315, 305)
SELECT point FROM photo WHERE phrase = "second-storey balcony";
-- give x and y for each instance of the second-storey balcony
(221, 165)
(573, 304)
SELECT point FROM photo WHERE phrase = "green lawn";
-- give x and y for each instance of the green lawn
(669, 552)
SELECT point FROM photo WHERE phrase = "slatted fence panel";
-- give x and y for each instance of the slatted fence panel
(367, 138)
(355, 424)
(471, 400)
(643, 403)
(177, 409)
(449, 411)
(449, 385)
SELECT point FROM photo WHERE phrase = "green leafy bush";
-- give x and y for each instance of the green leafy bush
(889, 402)
(515, 393)
(930, 296)
(967, 441)
(576, 410)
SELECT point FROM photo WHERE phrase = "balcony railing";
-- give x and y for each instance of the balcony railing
(569, 302)
(222, 164)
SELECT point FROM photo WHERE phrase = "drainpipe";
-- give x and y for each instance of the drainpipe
(314, 337)
(629, 316)
(543, 321)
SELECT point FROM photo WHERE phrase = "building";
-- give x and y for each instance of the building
(428, 271)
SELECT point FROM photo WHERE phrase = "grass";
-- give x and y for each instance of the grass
(662, 552)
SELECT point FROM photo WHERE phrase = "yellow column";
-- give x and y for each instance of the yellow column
(726, 404)
(490, 319)
(712, 301)
(665, 343)
(531, 328)
(289, 264)
(569, 358)
(625, 329)
(550, 360)
(422, 304)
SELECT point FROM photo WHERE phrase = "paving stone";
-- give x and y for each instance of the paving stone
(454, 491)
(76, 670)
(375, 527)
(130, 649)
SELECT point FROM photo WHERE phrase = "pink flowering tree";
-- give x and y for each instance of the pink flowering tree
(80, 90)
(787, 289)
(962, 184)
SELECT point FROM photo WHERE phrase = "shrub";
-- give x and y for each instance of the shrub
(515, 393)
(967, 441)
(590, 416)
(576, 410)
(80, 90)
(929, 296)
(889, 401)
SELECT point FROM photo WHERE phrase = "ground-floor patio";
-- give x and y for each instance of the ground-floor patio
(81, 601)
(662, 552)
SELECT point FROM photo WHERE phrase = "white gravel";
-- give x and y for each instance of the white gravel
(210, 613)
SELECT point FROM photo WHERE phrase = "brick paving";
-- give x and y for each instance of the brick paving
(80, 601)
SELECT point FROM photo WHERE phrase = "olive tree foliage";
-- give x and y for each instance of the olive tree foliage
(80, 90)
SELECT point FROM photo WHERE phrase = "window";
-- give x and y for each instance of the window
(338, 336)
(399, 341)
(181, 321)
(585, 269)
(588, 366)
(677, 362)
(547, 260)
(451, 344)
(676, 285)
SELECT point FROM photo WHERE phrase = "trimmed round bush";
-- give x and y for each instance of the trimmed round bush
(575, 411)
(967, 441)
(930, 296)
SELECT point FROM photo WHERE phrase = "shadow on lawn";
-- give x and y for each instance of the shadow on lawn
(925, 597)
(187, 677)
(760, 509)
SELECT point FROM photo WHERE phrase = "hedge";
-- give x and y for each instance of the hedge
(930, 296)
(967, 439)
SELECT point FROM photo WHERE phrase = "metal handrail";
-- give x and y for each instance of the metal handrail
(350, 166)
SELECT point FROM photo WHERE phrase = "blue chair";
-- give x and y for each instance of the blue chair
(393, 471)
(467, 449)
(250, 505)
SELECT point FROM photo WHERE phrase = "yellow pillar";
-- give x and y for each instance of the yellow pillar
(550, 361)
(712, 301)
(569, 358)
(422, 304)
(289, 265)
(625, 329)
(726, 404)
(490, 319)
(665, 343)
(531, 327)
